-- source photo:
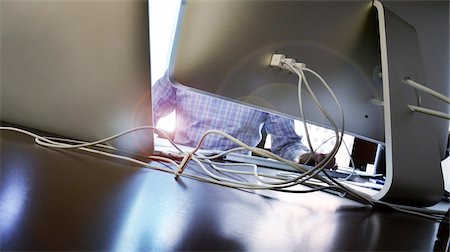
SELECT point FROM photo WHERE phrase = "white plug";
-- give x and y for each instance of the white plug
(280, 60)
(290, 62)
(300, 65)
(277, 60)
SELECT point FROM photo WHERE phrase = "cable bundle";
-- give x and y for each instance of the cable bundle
(221, 173)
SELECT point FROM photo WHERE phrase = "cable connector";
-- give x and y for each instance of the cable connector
(277, 60)
(183, 164)
(300, 65)
(289, 62)
(280, 60)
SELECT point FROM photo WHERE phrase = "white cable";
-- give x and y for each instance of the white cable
(245, 185)
(306, 177)
(408, 210)
(53, 144)
(216, 166)
(429, 112)
(299, 179)
(301, 75)
(40, 139)
(255, 173)
(348, 153)
(265, 184)
(223, 153)
(267, 154)
(427, 90)
(396, 207)
(80, 145)
(329, 157)
(351, 161)
(158, 158)
(229, 183)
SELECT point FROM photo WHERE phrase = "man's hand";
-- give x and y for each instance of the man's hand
(313, 159)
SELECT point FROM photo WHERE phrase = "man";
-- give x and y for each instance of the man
(198, 113)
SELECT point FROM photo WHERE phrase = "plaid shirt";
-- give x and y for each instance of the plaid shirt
(197, 113)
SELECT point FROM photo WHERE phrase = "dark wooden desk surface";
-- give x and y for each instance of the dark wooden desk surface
(67, 200)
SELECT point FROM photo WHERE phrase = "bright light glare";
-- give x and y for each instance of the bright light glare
(163, 17)
(167, 123)
(320, 135)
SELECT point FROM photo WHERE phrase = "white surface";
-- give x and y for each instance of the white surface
(163, 16)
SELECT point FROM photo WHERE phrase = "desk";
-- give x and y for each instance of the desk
(69, 200)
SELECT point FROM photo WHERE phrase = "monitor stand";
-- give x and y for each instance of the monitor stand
(413, 141)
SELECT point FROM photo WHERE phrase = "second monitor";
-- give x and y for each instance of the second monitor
(361, 48)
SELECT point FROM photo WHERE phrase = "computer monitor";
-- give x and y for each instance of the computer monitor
(79, 69)
(361, 48)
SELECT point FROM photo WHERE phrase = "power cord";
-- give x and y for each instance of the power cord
(212, 170)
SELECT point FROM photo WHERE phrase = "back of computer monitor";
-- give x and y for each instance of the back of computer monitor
(224, 48)
(80, 69)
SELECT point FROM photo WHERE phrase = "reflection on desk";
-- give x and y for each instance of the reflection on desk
(69, 200)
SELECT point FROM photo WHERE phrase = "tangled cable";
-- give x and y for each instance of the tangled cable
(220, 172)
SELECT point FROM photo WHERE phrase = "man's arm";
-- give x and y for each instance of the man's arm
(285, 141)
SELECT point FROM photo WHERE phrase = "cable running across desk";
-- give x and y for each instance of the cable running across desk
(212, 169)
